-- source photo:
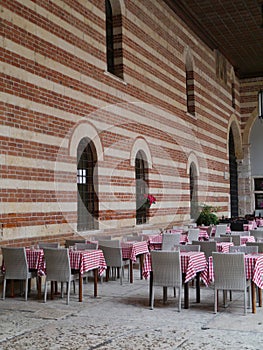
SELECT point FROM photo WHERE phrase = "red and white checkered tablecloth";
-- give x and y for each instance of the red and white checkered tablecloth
(191, 263)
(245, 239)
(253, 265)
(131, 249)
(86, 260)
(36, 261)
(223, 247)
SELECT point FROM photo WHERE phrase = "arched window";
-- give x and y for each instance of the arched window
(189, 80)
(87, 185)
(141, 188)
(233, 175)
(193, 192)
(114, 49)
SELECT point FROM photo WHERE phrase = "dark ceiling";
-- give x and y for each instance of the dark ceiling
(234, 27)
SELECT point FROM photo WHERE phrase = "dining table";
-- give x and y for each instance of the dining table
(81, 261)
(132, 250)
(254, 272)
(193, 265)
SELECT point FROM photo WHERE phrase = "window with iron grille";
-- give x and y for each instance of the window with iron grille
(109, 37)
(87, 185)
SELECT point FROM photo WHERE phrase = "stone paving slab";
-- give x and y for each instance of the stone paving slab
(120, 319)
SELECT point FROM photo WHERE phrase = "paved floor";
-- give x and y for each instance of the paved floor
(120, 318)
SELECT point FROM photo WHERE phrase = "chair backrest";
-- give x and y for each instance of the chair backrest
(112, 255)
(188, 247)
(169, 240)
(229, 271)
(42, 245)
(133, 238)
(237, 226)
(258, 244)
(220, 228)
(240, 233)
(223, 239)
(102, 237)
(72, 242)
(208, 247)
(151, 232)
(209, 230)
(193, 235)
(15, 262)
(115, 243)
(236, 239)
(57, 264)
(258, 234)
(243, 249)
(166, 268)
(86, 246)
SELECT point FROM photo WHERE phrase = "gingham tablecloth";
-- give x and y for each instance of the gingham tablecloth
(191, 263)
(86, 260)
(223, 247)
(245, 239)
(36, 261)
(254, 269)
(131, 249)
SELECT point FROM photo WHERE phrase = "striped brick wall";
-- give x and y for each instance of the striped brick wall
(55, 90)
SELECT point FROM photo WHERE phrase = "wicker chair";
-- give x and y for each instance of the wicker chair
(42, 245)
(258, 234)
(114, 243)
(166, 272)
(188, 247)
(193, 235)
(257, 244)
(170, 240)
(114, 260)
(230, 274)
(236, 239)
(243, 249)
(72, 242)
(16, 267)
(58, 269)
(208, 247)
(86, 246)
(227, 238)
(220, 229)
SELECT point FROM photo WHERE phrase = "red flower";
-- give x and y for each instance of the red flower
(150, 199)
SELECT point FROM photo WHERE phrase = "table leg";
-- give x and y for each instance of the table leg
(186, 293)
(12, 289)
(95, 274)
(253, 291)
(39, 287)
(259, 297)
(198, 287)
(52, 290)
(131, 271)
(141, 257)
(150, 287)
(80, 287)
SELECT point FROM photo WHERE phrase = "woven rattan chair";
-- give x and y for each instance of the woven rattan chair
(220, 229)
(133, 238)
(243, 249)
(58, 269)
(42, 245)
(115, 243)
(193, 235)
(257, 244)
(258, 234)
(166, 272)
(227, 238)
(230, 274)
(188, 247)
(16, 267)
(207, 247)
(169, 240)
(86, 246)
(72, 242)
(114, 260)
(236, 239)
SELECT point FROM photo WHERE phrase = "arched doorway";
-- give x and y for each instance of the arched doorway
(193, 192)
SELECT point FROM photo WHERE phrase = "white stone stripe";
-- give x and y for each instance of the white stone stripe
(36, 207)
(37, 185)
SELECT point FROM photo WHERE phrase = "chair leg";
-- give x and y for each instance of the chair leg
(215, 300)
(45, 292)
(4, 289)
(179, 299)
(68, 292)
(152, 298)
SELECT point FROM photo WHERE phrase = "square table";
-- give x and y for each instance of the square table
(132, 250)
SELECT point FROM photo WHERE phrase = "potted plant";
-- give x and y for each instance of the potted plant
(207, 216)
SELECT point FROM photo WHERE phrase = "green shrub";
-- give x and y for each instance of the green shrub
(207, 216)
